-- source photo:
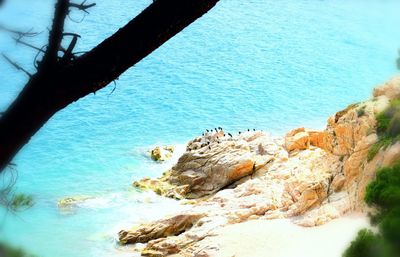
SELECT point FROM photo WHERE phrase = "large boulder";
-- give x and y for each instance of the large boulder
(159, 229)
(214, 161)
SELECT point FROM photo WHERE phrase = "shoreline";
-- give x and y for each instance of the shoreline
(236, 183)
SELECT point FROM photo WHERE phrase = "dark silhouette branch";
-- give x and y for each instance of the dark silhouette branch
(68, 55)
(83, 7)
(17, 66)
(56, 86)
(56, 34)
(19, 41)
(20, 34)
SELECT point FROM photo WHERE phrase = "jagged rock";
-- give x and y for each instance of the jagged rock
(212, 162)
(159, 229)
(162, 153)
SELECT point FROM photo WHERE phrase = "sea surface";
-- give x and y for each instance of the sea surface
(264, 64)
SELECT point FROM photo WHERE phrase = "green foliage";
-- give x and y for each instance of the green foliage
(8, 251)
(382, 143)
(398, 61)
(382, 122)
(384, 191)
(361, 111)
(367, 244)
(384, 195)
(21, 201)
(388, 128)
(393, 129)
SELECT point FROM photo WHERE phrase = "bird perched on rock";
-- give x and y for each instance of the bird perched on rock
(207, 130)
(240, 132)
(209, 147)
(248, 129)
(254, 170)
(229, 134)
(254, 129)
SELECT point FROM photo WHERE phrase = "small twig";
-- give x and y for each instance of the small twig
(115, 86)
(82, 6)
(17, 66)
(77, 21)
(19, 41)
(35, 62)
(71, 34)
(80, 52)
(68, 53)
(20, 34)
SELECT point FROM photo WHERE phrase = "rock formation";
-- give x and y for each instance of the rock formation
(309, 177)
(162, 153)
(212, 162)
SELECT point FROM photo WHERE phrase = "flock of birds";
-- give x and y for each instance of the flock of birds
(214, 135)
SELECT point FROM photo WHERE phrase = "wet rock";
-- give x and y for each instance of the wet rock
(73, 201)
(162, 153)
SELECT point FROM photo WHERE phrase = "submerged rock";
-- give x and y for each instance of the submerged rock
(162, 153)
(74, 201)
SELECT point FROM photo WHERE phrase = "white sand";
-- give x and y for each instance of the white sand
(281, 238)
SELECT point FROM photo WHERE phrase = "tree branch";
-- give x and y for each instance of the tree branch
(149, 30)
(53, 88)
(19, 41)
(68, 53)
(56, 34)
(20, 34)
(17, 66)
(82, 6)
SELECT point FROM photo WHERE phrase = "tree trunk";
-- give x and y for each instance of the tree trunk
(55, 86)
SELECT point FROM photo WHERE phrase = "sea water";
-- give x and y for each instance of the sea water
(263, 64)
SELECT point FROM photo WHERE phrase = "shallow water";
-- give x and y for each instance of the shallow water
(264, 64)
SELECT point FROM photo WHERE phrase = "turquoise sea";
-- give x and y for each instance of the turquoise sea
(265, 64)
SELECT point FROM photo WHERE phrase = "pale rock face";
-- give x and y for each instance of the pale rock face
(215, 161)
(297, 140)
(168, 227)
(390, 89)
(309, 177)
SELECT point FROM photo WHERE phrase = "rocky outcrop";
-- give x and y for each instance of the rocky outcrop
(214, 161)
(162, 153)
(351, 133)
(309, 177)
(159, 229)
